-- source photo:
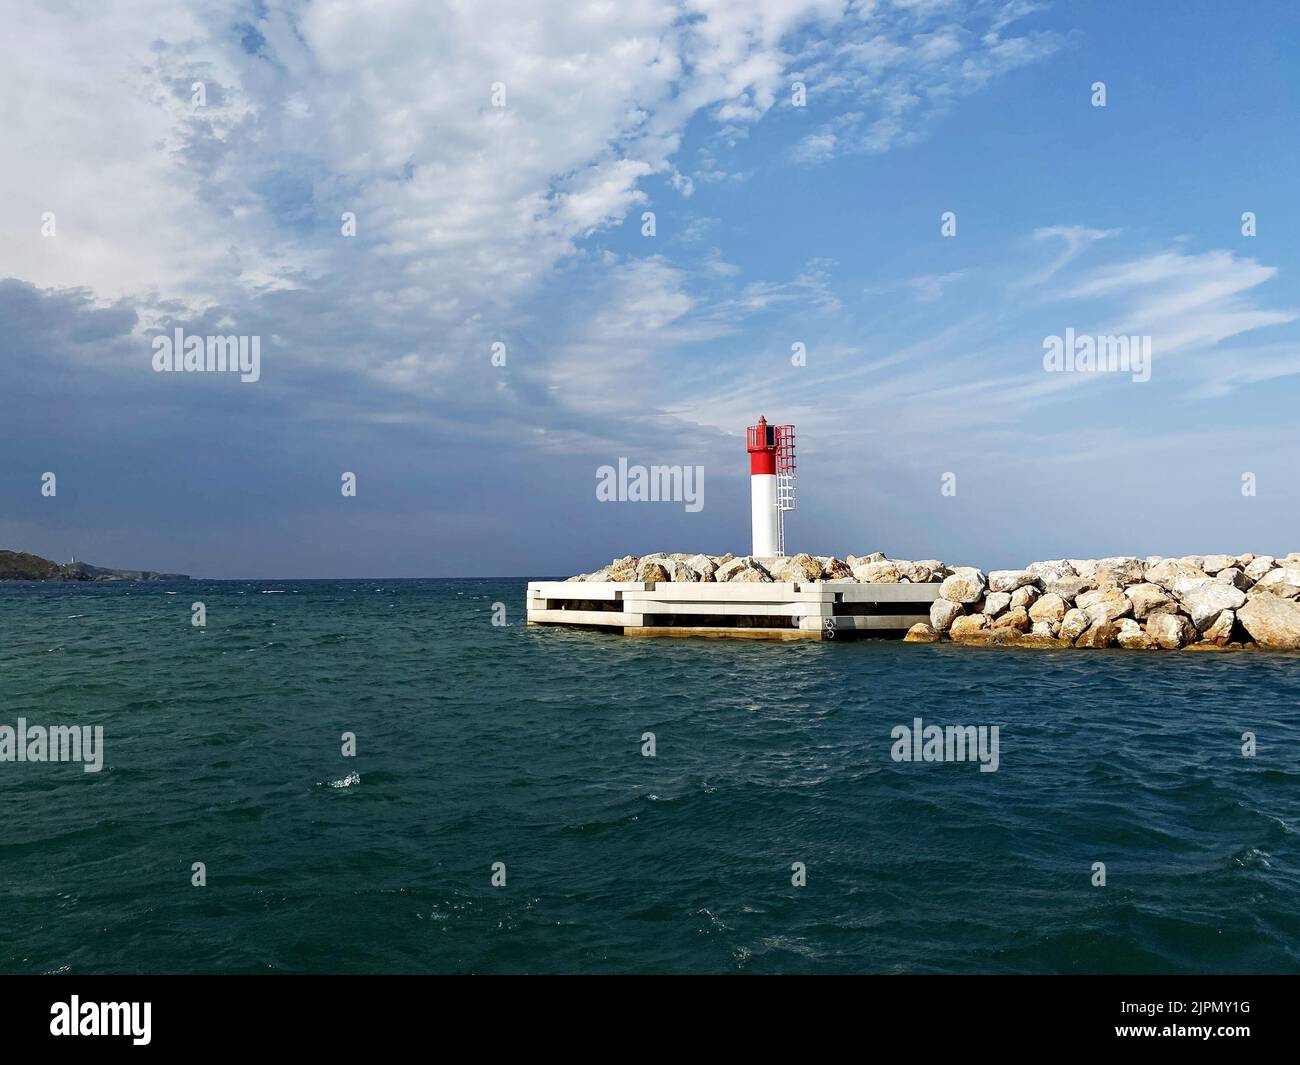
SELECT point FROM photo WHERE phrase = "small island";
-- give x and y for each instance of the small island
(21, 566)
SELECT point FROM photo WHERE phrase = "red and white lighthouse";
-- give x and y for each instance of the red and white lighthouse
(771, 478)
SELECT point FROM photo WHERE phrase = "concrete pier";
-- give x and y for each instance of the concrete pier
(769, 610)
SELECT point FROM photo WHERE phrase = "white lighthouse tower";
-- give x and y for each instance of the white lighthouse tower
(771, 478)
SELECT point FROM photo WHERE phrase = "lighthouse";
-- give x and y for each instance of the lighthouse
(771, 479)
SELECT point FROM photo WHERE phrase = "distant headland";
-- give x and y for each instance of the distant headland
(20, 566)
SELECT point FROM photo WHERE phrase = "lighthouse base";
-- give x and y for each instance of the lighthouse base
(766, 611)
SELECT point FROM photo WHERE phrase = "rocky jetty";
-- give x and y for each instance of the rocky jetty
(20, 566)
(1199, 602)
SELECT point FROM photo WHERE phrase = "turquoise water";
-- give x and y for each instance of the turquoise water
(479, 744)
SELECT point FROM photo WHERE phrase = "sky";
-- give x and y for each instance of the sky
(505, 320)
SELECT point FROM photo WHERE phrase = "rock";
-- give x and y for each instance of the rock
(802, 567)
(1283, 582)
(938, 571)
(995, 603)
(1272, 621)
(1189, 584)
(1105, 604)
(978, 637)
(683, 572)
(921, 633)
(1122, 569)
(834, 569)
(882, 572)
(1051, 607)
(1043, 628)
(1132, 637)
(1070, 587)
(654, 571)
(743, 569)
(1016, 618)
(862, 560)
(775, 565)
(722, 560)
(726, 569)
(1234, 576)
(964, 586)
(704, 566)
(1213, 563)
(1084, 567)
(943, 613)
(1052, 570)
(1171, 570)
(968, 624)
(624, 569)
(1259, 566)
(1074, 624)
(1101, 634)
(1149, 599)
(1220, 633)
(1008, 580)
(915, 572)
(1012, 638)
(1204, 599)
(1025, 597)
(1170, 631)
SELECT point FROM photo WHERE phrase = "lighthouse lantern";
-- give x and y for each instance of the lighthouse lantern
(771, 477)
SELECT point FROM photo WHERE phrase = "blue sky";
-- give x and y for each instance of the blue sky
(522, 224)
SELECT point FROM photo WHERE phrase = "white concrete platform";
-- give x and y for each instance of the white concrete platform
(776, 610)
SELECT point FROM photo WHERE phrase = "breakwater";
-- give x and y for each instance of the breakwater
(1201, 602)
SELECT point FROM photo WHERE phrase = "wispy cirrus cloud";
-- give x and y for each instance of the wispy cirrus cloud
(1186, 301)
(1075, 240)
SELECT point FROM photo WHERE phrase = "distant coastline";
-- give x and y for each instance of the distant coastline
(21, 566)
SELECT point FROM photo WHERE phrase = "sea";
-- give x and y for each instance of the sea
(403, 777)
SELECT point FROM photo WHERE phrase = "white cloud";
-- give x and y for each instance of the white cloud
(96, 132)
(925, 288)
(1076, 239)
(902, 67)
(465, 212)
(1185, 302)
